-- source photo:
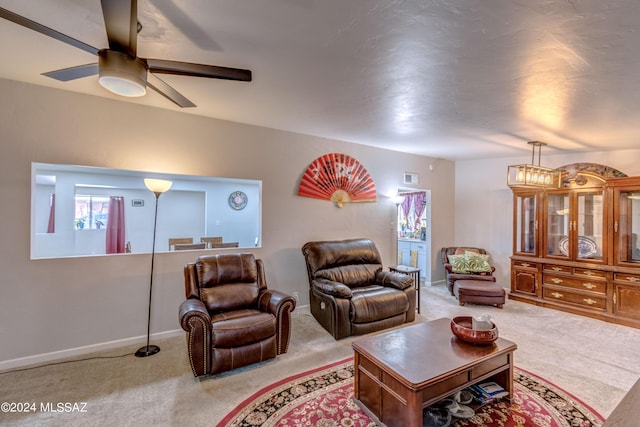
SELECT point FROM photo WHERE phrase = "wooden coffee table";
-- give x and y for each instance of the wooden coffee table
(398, 373)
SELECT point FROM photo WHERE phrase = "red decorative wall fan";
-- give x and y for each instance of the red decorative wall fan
(339, 178)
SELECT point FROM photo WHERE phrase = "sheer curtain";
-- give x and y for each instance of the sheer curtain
(115, 226)
(406, 209)
(419, 207)
(51, 227)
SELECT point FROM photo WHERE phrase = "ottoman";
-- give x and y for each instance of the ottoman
(479, 292)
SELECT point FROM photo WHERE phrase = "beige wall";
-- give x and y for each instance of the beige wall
(484, 203)
(58, 307)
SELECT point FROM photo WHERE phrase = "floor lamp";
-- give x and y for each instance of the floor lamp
(157, 186)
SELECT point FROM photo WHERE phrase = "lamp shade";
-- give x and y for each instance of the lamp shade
(397, 199)
(157, 185)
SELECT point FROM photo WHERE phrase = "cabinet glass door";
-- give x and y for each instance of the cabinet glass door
(558, 222)
(590, 226)
(628, 226)
(525, 238)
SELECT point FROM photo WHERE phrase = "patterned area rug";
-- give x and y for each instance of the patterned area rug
(324, 398)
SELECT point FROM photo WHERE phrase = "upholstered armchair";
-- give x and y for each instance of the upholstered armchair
(231, 318)
(350, 294)
(452, 276)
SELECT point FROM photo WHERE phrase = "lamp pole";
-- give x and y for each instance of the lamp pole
(158, 187)
(397, 200)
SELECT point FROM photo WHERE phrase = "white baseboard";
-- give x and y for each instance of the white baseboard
(77, 351)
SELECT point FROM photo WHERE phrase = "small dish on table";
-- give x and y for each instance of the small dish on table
(461, 327)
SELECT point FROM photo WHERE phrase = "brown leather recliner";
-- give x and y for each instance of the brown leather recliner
(350, 294)
(451, 277)
(231, 318)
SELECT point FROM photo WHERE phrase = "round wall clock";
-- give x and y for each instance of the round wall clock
(238, 200)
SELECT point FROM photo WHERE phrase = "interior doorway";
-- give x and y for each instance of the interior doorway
(413, 231)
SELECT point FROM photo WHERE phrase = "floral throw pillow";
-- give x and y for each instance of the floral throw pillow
(477, 263)
(458, 264)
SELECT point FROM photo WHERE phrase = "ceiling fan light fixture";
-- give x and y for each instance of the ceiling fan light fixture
(122, 74)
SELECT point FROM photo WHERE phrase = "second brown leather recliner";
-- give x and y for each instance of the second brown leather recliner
(350, 294)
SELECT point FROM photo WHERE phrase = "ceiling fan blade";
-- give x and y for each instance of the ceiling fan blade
(155, 83)
(198, 70)
(121, 22)
(73, 73)
(32, 25)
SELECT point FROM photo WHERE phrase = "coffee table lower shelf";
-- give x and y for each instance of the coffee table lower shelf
(394, 402)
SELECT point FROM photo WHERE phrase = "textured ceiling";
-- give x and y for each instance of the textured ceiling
(454, 79)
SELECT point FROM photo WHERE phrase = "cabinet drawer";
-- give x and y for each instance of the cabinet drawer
(565, 295)
(525, 264)
(557, 268)
(596, 274)
(626, 278)
(576, 283)
(445, 386)
(490, 365)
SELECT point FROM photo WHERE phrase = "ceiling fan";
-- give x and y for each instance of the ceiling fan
(119, 68)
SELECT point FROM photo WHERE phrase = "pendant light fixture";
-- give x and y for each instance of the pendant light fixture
(531, 175)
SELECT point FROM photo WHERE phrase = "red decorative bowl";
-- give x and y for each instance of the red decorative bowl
(461, 328)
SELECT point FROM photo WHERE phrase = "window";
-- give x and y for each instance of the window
(194, 207)
(91, 212)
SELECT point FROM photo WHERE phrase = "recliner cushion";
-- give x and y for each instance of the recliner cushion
(232, 296)
(229, 282)
(351, 275)
(372, 303)
(241, 327)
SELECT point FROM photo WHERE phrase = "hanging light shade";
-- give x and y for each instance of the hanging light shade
(531, 175)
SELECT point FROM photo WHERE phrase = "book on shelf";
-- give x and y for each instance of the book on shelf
(478, 396)
(491, 390)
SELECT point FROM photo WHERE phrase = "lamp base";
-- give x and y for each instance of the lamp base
(147, 350)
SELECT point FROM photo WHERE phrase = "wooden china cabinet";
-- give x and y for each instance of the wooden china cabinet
(575, 248)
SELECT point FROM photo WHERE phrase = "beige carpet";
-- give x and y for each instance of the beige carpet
(596, 361)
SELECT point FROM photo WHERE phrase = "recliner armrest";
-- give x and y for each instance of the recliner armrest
(196, 321)
(394, 280)
(330, 287)
(271, 300)
(193, 308)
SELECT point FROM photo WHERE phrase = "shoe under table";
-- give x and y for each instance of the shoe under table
(479, 292)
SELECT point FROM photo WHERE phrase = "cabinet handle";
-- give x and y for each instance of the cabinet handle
(556, 294)
(589, 301)
(589, 285)
(615, 226)
(632, 279)
(556, 268)
(556, 280)
(615, 298)
(525, 264)
(588, 273)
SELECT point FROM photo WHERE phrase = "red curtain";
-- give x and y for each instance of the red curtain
(115, 226)
(51, 228)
